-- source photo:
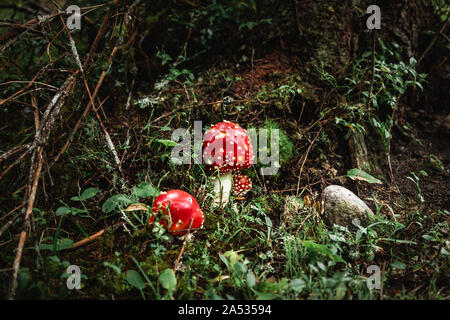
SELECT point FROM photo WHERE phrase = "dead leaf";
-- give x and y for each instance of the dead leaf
(136, 207)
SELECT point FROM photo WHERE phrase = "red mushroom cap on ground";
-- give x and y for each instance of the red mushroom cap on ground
(182, 207)
(227, 146)
(241, 184)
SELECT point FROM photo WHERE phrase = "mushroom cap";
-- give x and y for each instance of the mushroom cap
(182, 207)
(241, 184)
(227, 146)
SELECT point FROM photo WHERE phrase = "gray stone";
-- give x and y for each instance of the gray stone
(342, 207)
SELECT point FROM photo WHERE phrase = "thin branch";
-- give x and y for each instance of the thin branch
(109, 142)
(95, 236)
(433, 41)
(23, 234)
(12, 165)
(14, 151)
(97, 87)
(8, 224)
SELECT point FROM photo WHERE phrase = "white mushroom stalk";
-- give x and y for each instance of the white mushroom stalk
(222, 189)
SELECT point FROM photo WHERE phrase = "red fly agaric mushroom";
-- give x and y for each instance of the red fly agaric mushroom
(179, 208)
(226, 148)
(241, 185)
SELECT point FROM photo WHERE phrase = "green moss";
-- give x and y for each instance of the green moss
(286, 144)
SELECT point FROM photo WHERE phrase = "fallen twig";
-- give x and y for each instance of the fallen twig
(42, 134)
(14, 151)
(23, 234)
(109, 142)
(95, 236)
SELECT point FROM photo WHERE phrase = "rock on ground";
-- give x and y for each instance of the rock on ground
(341, 206)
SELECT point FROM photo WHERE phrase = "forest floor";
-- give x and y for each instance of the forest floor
(260, 231)
(273, 243)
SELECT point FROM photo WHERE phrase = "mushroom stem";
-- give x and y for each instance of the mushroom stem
(222, 188)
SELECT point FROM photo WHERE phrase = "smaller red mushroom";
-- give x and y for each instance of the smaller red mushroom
(241, 184)
(179, 208)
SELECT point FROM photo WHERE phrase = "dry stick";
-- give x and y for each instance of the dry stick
(25, 81)
(12, 165)
(99, 83)
(36, 121)
(8, 224)
(95, 236)
(87, 109)
(175, 267)
(94, 46)
(12, 211)
(40, 138)
(14, 151)
(12, 36)
(303, 222)
(107, 136)
(127, 105)
(97, 39)
(304, 160)
(34, 103)
(52, 109)
(433, 41)
(23, 234)
(30, 83)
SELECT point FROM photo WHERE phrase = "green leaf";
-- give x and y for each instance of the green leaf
(398, 265)
(167, 143)
(224, 260)
(240, 268)
(297, 285)
(358, 174)
(341, 290)
(251, 279)
(265, 295)
(232, 257)
(114, 201)
(145, 190)
(89, 193)
(62, 211)
(76, 211)
(322, 249)
(359, 234)
(112, 266)
(62, 244)
(168, 280)
(54, 259)
(429, 238)
(135, 279)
